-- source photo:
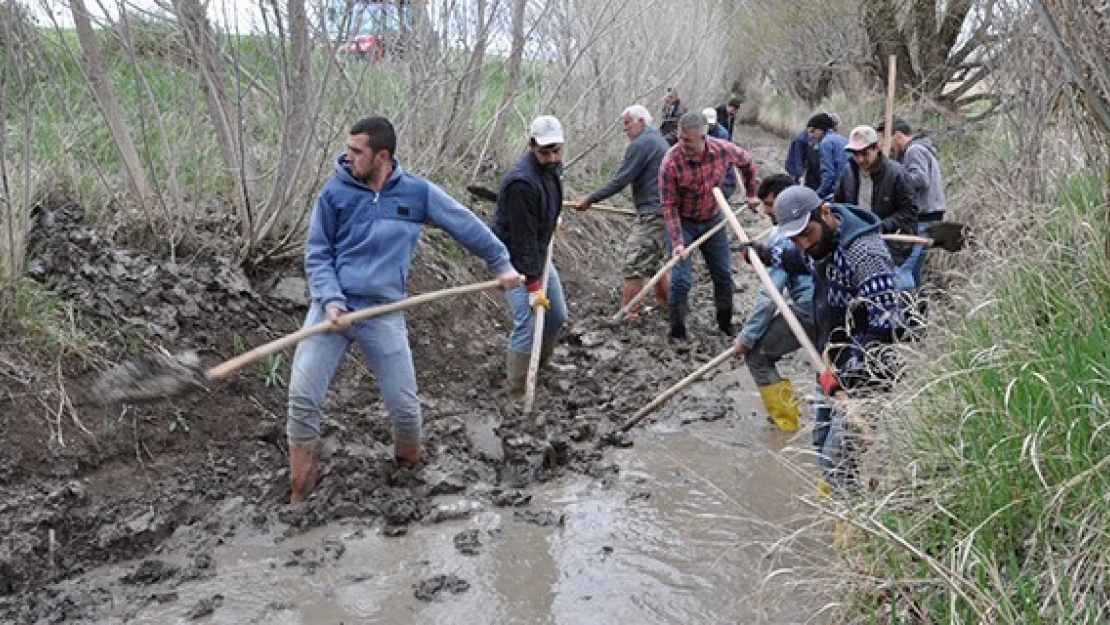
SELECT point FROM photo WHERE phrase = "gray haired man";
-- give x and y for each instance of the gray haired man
(648, 244)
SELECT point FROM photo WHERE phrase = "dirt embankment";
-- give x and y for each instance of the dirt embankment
(83, 485)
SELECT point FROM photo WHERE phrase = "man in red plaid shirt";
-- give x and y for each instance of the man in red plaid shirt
(687, 175)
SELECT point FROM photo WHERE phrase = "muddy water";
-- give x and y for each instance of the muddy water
(685, 531)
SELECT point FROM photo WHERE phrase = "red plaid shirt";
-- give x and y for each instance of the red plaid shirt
(686, 185)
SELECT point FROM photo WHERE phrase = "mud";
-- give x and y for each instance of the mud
(166, 482)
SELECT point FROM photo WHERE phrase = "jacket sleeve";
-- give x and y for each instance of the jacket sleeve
(840, 194)
(917, 164)
(744, 162)
(873, 274)
(465, 227)
(668, 198)
(320, 253)
(904, 217)
(795, 159)
(633, 163)
(764, 308)
(523, 204)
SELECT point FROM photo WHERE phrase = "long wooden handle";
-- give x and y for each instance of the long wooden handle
(784, 309)
(231, 366)
(605, 208)
(683, 383)
(537, 333)
(908, 238)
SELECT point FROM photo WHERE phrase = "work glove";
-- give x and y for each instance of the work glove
(829, 383)
(536, 296)
(759, 249)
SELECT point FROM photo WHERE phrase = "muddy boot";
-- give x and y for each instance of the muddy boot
(678, 321)
(303, 457)
(724, 314)
(662, 291)
(407, 453)
(516, 365)
(781, 405)
(630, 288)
(547, 349)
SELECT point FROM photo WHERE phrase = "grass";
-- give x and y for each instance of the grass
(1008, 453)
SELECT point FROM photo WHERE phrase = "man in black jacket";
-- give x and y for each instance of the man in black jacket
(876, 183)
(528, 207)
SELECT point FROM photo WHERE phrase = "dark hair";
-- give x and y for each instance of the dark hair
(775, 184)
(379, 132)
(898, 124)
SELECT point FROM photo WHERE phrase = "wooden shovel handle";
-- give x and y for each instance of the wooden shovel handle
(605, 208)
(231, 366)
(537, 333)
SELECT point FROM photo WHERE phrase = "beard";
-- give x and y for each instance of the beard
(826, 244)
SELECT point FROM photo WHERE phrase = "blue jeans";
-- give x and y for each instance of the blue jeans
(908, 277)
(385, 344)
(717, 258)
(520, 338)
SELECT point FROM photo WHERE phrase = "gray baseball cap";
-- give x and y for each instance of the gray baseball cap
(793, 208)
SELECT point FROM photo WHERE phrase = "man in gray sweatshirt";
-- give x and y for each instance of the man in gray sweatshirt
(918, 155)
(648, 244)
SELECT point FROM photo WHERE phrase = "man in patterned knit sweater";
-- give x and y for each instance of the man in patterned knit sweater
(856, 307)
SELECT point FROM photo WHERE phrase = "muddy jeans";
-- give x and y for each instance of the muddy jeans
(717, 257)
(520, 338)
(647, 248)
(777, 341)
(385, 344)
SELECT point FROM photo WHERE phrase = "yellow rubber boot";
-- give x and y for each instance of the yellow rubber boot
(781, 405)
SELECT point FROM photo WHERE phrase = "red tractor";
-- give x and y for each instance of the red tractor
(371, 30)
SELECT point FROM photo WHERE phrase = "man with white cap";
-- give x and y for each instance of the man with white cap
(857, 311)
(873, 182)
(528, 206)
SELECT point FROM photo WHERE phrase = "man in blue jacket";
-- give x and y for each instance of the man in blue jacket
(361, 238)
(648, 245)
(830, 151)
(766, 336)
(528, 207)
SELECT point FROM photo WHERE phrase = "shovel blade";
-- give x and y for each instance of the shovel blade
(952, 237)
(150, 377)
(482, 193)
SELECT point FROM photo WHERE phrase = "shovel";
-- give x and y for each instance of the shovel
(949, 236)
(161, 376)
(537, 333)
(489, 195)
(681, 384)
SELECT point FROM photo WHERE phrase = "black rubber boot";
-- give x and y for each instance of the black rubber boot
(678, 321)
(724, 313)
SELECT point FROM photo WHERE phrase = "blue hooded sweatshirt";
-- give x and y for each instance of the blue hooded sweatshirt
(361, 242)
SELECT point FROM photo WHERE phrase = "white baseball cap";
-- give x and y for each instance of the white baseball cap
(710, 116)
(546, 130)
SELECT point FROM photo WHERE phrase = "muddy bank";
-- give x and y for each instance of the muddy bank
(87, 486)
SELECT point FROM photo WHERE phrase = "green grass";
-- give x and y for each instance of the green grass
(1010, 453)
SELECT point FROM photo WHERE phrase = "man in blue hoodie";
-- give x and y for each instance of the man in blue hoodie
(857, 311)
(830, 151)
(528, 207)
(361, 238)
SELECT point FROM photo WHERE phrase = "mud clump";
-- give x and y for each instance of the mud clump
(469, 542)
(150, 572)
(543, 518)
(206, 606)
(435, 588)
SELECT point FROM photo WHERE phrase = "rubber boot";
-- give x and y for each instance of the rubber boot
(724, 313)
(407, 453)
(303, 457)
(663, 291)
(516, 364)
(630, 288)
(547, 349)
(678, 321)
(781, 405)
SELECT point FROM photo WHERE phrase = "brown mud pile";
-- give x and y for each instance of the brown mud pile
(82, 485)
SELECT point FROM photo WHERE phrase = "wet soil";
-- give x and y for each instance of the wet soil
(165, 482)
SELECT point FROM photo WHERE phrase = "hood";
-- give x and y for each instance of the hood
(855, 222)
(343, 173)
(925, 142)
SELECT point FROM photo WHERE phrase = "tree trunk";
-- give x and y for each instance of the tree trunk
(512, 71)
(201, 40)
(465, 99)
(97, 77)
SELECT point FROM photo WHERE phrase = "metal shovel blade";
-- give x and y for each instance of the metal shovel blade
(950, 236)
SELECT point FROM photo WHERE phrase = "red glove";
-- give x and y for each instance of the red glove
(829, 383)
